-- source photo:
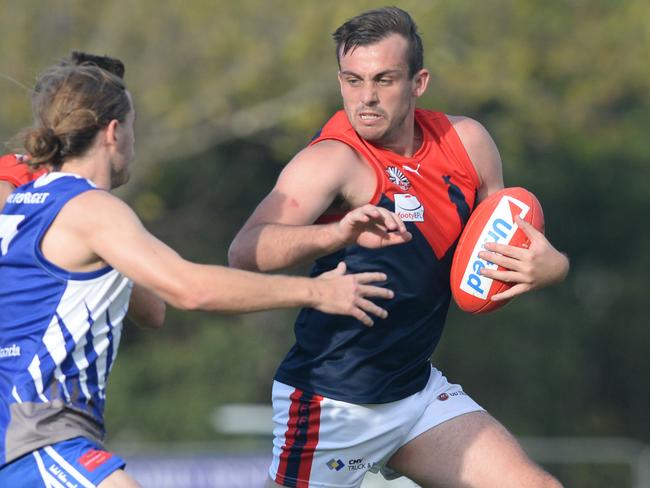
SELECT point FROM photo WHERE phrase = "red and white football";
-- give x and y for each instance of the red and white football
(493, 220)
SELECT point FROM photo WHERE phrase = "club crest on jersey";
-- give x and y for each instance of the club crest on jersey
(408, 207)
(396, 177)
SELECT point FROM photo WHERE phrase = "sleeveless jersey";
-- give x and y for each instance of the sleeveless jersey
(59, 331)
(14, 170)
(433, 192)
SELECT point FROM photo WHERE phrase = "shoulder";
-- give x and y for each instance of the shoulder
(96, 208)
(482, 151)
(470, 131)
(327, 157)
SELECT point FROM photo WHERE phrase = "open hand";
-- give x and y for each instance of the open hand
(538, 266)
(372, 227)
(343, 294)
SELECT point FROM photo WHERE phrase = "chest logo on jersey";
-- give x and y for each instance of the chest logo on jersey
(398, 178)
(408, 207)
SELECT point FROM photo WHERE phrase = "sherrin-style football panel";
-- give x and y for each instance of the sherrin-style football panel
(491, 221)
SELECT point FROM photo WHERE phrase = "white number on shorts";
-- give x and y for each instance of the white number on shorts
(8, 230)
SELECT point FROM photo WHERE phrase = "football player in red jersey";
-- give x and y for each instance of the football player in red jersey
(349, 399)
(14, 172)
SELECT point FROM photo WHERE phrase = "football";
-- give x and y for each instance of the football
(493, 220)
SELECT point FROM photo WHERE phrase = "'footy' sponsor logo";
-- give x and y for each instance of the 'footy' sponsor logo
(12, 351)
(500, 228)
(409, 208)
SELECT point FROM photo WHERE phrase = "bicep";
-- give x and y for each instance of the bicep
(483, 153)
(304, 190)
(115, 234)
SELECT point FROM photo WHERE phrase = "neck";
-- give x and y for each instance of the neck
(407, 142)
(92, 167)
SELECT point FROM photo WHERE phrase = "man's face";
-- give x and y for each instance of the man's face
(378, 94)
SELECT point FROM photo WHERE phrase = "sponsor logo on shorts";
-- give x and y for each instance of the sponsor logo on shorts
(445, 396)
(355, 464)
(12, 351)
(94, 458)
(61, 476)
(335, 464)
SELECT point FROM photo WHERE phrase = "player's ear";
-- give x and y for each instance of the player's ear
(110, 133)
(420, 82)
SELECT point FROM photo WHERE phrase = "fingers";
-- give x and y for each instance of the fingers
(501, 259)
(370, 277)
(362, 317)
(376, 292)
(514, 252)
(395, 238)
(511, 292)
(528, 228)
(364, 308)
(333, 273)
(381, 217)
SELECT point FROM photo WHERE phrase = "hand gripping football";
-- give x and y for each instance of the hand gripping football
(491, 221)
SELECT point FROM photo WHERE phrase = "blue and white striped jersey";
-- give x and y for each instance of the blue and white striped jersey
(59, 331)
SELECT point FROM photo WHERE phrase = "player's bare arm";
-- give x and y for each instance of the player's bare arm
(146, 309)
(5, 189)
(280, 232)
(118, 238)
(538, 266)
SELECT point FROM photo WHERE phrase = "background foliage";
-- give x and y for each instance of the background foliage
(227, 91)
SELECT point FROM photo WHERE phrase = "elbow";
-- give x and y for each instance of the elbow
(191, 296)
(156, 319)
(239, 258)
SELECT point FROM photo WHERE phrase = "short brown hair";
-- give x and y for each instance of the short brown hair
(375, 25)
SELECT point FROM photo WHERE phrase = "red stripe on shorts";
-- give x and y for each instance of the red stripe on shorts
(301, 439)
(289, 436)
(307, 455)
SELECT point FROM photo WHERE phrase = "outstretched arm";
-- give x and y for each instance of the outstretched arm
(281, 231)
(96, 226)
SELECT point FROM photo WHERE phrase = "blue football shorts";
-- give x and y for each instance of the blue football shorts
(74, 463)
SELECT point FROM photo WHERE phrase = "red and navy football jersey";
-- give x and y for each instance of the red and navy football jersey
(434, 192)
(15, 170)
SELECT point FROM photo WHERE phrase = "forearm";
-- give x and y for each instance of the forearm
(222, 289)
(269, 247)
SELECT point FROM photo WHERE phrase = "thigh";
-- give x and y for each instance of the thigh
(74, 462)
(119, 479)
(469, 451)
